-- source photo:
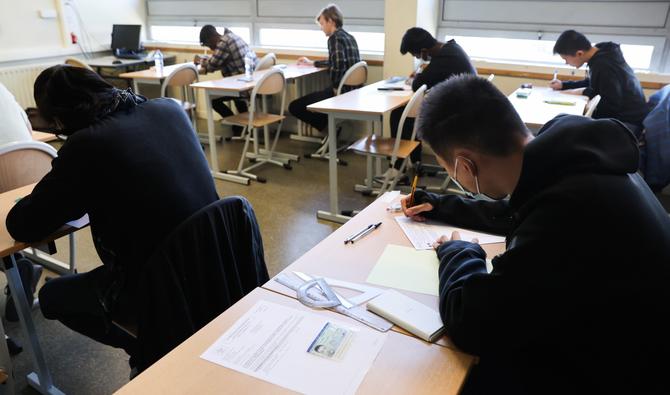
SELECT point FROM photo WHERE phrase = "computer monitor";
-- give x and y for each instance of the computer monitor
(126, 38)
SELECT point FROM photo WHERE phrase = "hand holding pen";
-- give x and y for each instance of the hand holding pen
(555, 83)
(357, 236)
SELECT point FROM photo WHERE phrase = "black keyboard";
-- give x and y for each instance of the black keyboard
(131, 56)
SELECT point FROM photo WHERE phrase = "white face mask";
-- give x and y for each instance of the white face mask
(478, 195)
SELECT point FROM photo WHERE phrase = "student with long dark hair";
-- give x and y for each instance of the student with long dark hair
(136, 167)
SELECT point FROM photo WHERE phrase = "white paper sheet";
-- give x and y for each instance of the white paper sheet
(79, 223)
(422, 235)
(271, 342)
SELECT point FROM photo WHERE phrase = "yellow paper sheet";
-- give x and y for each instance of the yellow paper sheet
(407, 268)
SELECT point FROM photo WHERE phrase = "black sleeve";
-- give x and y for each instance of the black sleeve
(608, 85)
(58, 198)
(425, 77)
(522, 299)
(585, 83)
(489, 217)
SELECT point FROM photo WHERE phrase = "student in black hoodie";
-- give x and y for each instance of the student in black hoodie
(621, 95)
(446, 60)
(136, 188)
(578, 302)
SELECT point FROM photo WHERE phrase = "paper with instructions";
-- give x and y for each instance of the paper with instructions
(297, 349)
(422, 235)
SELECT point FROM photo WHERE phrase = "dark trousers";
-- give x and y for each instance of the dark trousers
(76, 301)
(219, 105)
(406, 133)
(298, 108)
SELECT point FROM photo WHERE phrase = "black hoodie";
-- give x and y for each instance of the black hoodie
(579, 300)
(621, 95)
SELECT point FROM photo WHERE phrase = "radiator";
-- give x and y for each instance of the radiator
(19, 81)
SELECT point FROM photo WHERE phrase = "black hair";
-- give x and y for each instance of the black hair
(415, 39)
(74, 96)
(467, 111)
(571, 41)
(207, 32)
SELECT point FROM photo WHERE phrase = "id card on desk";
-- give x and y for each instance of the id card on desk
(297, 349)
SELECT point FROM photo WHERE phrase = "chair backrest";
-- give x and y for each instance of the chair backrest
(270, 83)
(204, 266)
(267, 61)
(183, 75)
(78, 63)
(356, 75)
(591, 106)
(412, 108)
(491, 77)
(23, 163)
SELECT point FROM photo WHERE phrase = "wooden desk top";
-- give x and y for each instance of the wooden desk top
(44, 137)
(353, 262)
(366, 100)
(404, 365)
(535, 112)
(233, 83)
(7, 244)
(151, 74)
(7, 200)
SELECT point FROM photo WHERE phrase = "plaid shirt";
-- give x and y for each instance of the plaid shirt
(229, 55)
(342, 54)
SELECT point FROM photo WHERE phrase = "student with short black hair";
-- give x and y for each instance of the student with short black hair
(136, 167)
(228, 52)
(621, 95)
(446, 60)
(578, 302)
(342, 54)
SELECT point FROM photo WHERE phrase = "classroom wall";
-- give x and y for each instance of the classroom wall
(24, 35)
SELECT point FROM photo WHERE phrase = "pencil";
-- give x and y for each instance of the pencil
(411, 195)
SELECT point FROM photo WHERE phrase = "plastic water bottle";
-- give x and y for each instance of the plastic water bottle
(158, 61)
(249, 66)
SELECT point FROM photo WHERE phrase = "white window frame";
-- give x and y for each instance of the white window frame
(658, 37)
(255, 23)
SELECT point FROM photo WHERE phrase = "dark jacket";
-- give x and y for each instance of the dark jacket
(621, 95)
(206, 265)
(451, 60)
(138, 173)
(578, 303)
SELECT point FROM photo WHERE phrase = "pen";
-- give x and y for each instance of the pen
(369, 229)
(411, 195)
(560, 102)
(351, 238)
(555, 75)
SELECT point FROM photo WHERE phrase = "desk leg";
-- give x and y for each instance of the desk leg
(41, 380)
(334, 214)
(136, 87)
(213, 155)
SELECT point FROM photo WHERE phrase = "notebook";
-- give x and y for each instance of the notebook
(414, 317)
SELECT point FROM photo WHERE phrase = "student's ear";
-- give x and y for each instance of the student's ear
(579, 54)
